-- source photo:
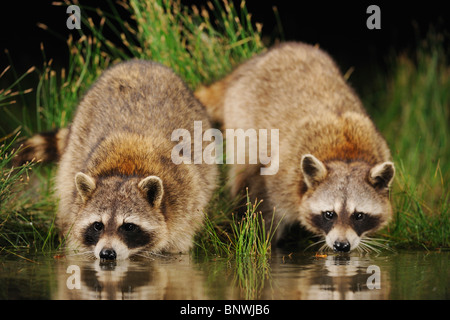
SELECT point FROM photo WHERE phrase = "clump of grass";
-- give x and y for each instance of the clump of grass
(243, 237)
(10, 177)
(415, 117)
(9, 94)
(251, 246)
(199, 44)
(58, 92)
(250, 237)
(23, 224)
(20, 227)
(244, 242)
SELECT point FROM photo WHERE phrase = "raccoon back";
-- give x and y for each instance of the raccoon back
(123, 127)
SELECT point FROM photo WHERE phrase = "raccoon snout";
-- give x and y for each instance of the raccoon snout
(341, 246)
(108, 254)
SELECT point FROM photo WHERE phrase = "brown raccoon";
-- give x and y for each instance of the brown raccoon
(119, 192)
(334, 166)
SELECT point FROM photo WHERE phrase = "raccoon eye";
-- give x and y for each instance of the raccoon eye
(129, 227)
(98, 226)
(358, 216)
(329, 215)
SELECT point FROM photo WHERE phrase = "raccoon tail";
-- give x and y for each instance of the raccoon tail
(212, 97)
(43, 147)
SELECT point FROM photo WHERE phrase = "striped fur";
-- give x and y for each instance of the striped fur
(43, 147)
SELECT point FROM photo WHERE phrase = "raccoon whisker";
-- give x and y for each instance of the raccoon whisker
(79, 253)
(148, 254)
(369, 247)
(159, 254)
(324, 247)
(374, 239)
(362, 248)
(375, 242)
(314, 244)
(143, 255)
(88, 254)
(156, 254)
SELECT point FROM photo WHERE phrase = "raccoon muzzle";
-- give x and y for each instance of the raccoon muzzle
(108, 254)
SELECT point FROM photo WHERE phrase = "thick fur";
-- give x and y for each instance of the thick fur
(116, 168)
(43, 147)
(328, 145)
(213, 96)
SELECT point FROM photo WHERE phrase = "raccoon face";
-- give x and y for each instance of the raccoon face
(119, 217)
(345, 201)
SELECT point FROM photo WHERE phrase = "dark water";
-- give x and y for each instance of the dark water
(404, 275)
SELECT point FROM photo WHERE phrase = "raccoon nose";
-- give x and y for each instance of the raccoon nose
(341, 246)
(108, 254)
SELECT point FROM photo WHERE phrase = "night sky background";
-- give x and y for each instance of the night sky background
(339, 27)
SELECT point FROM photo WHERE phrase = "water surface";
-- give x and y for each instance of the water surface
(403, 275)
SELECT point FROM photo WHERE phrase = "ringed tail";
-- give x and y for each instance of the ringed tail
(212, 97)
(43, 147)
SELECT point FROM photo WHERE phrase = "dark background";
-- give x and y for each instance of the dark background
(339, 27)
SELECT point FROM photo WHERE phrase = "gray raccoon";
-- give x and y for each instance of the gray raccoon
(119, 192)
(334, 166)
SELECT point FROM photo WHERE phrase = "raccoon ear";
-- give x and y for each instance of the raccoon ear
(382, 175)
(313, 170)
(152, 186)
(85, 185)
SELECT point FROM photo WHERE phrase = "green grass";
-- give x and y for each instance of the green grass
(250, 237)
(411, 107)
(16, 228)
(414, 115)
(242, 237)
(198, 44)
(26, 219)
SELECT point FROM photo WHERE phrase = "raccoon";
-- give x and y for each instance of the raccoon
(335, 168)
(119, 192)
